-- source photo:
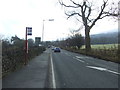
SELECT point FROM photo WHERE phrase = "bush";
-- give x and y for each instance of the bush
(13, 55)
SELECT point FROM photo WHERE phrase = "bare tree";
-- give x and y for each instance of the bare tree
(85, 11)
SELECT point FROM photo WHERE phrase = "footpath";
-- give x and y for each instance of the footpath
(33, 75)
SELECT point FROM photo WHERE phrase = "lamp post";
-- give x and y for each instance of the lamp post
(43, 27)
(43, 30)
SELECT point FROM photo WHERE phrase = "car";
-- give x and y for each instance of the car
(57, 49)
(52, 48)
(49, 46)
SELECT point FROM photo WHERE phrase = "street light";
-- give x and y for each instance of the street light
(43, 27)
(51, 19)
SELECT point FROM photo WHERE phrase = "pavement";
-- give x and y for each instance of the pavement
(33, 75)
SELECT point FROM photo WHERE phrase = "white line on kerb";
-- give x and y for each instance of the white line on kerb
(53, 75)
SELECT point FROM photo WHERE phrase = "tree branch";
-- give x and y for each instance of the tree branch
(85, 8)
(89, 12)
(76, 3)
(69, 15)
(68, 5)
(100, 14)
(112, 14)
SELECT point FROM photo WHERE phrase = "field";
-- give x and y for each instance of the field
(103, 51)
(103, 46)
(107, 52)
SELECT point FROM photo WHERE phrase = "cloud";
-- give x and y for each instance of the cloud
(16, 15)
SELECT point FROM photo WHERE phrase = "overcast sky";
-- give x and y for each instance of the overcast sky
(16, 15)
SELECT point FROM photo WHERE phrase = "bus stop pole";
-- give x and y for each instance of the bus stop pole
(26, 47)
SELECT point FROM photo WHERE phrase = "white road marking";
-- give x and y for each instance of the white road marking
(79, 60)
(77, 56)
(113, 72)
(53, 75)
(67, 54)
(98, 68)
(103, 69)
(81, 57)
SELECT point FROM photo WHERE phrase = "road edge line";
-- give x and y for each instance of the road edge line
(53, 75)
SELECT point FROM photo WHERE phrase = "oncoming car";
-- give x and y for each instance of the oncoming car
(57, 49)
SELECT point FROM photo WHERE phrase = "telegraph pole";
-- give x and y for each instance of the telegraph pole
(26, 47)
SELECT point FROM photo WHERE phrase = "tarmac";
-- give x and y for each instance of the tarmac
(33, 75)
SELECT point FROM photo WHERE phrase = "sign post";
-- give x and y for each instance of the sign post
(28, 32)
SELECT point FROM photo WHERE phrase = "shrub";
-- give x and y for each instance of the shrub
(13, 55)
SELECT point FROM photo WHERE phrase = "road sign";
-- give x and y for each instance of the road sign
(29, 30)
(37, 41)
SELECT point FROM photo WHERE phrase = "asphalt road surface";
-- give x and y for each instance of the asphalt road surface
(72, 70)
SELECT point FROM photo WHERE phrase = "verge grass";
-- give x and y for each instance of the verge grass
(103, 46)
(109, 52)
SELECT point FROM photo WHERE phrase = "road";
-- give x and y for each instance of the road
(72, 70)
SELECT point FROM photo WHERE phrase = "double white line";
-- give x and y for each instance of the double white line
(53, 74)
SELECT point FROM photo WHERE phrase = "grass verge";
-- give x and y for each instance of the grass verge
(105, 54)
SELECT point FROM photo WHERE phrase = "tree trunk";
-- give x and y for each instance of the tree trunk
(87, 40)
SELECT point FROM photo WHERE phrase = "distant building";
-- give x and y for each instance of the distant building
(37, 41)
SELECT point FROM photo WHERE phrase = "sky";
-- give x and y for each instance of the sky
(16, 15)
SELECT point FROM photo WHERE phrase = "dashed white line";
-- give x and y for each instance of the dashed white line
(67, 54)
(77, 56)
(103, 69)
(53, 75)
(81, 57)
(79, 60)
(113, 72)
(98, 68)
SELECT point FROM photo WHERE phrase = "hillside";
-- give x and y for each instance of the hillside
(105, 38)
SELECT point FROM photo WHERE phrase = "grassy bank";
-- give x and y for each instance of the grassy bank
(103, 46)
(107, 52)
